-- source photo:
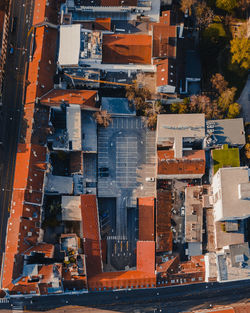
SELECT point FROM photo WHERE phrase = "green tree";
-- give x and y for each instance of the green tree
(233, 110)
(227, 5)
(240, 49)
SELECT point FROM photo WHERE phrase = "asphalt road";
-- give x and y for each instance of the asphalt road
(12, 95)
(168, 299)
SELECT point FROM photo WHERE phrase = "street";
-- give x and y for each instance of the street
(13, 97)
(167, 299)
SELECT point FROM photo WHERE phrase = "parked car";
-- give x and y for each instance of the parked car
(148, 179)
(182, 211)
(13, 24)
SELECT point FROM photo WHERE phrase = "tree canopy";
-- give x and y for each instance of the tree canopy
(240, 49)
(103, 118)
(187, 5)
(227, 5)
(204, 14)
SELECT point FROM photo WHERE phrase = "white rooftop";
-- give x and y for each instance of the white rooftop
(73, 121)
(71, 208)
(231, 193)
(69, 46)
(175, 127)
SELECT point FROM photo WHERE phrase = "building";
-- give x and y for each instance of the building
(231, 189)
(179, 143)
(57, 97)
(71, 208)
(79, 10)
(164, 53)
(194, 219)
(225, 131)
(117, 106)
(58, 184)
(146, 218)
(163, 231)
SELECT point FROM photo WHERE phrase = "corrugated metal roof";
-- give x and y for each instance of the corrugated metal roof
(127, 48)
(146, 218)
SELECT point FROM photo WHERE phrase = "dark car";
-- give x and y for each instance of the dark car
(13, 24)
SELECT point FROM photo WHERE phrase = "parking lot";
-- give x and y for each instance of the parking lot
(126, 156)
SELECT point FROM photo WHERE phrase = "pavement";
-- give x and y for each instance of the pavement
(244, 101)
(125, 152)
(12, 96)
(166, 300)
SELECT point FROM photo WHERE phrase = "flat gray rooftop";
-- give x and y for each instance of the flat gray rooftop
(89, 131)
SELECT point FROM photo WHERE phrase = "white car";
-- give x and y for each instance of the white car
(183, 211)
(148, 179)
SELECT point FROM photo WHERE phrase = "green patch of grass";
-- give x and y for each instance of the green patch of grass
(215, 30)
(225, 158)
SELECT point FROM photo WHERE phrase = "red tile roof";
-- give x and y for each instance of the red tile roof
(42, 11)
(163, 221)
(91, 234)
(46, 248)
(163, 37)
(22, 233)
(146, 218)
(40, 74)
(192, 162)
(56, 97)
(168, 265)
(123, 279)
(45, 277)
(161, 72)
(145, 255)
(103, 23)
(127, 48)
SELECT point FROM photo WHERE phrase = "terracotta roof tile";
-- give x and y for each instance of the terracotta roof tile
(145, 255)
(91, 234)
(146, 218)
(193, 162)
(56, 97)
(127, 48)
(164, 35)
(22, 233)
(161, 72)
(163, 221)
(46, 248)
(123, 279)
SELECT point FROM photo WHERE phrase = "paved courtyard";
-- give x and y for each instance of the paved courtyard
(126, 156)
